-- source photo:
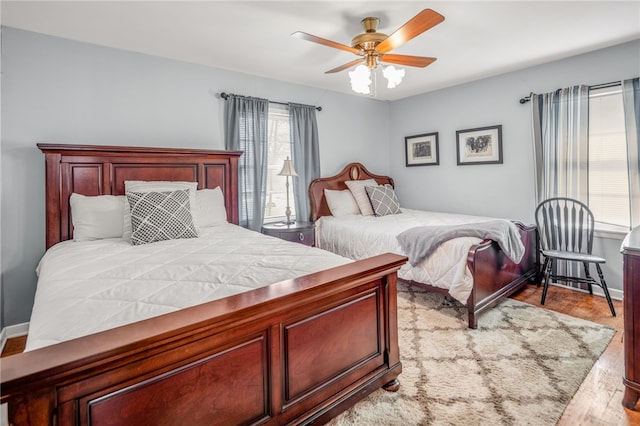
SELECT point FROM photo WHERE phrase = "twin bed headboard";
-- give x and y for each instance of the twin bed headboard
(352, 171)
(102, 170)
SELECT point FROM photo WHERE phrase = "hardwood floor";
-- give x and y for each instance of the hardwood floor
(14, 345)
(599, 399)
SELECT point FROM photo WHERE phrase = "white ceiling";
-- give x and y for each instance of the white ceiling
(477, 39)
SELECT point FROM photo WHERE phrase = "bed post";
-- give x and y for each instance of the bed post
(35, 408)
(52, 201)
(391, 317)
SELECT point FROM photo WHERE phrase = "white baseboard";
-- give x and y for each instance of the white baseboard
(13, 331)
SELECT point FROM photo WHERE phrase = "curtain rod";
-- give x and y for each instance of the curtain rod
(224, 96)
(595, 86)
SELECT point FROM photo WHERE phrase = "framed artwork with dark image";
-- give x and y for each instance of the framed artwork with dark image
(422, 150)
(479, 146)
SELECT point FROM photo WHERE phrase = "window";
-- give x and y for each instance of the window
(608, 171)
(279, 150)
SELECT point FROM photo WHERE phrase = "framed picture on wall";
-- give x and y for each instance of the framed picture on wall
(422, 150)
(479, 146)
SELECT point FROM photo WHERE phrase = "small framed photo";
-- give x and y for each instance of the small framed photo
(422, 150)
(479, 146)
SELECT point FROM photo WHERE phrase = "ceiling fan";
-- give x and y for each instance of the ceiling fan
(373, 46)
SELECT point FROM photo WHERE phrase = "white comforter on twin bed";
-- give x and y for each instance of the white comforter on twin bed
(358, 237)
(87, 287)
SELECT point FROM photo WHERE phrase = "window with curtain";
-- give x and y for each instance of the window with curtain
(267, 134)
(608, 171)
(587, 147)
(279, 150)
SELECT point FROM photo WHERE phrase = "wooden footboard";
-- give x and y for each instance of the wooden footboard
(296, 352)
(495, 276)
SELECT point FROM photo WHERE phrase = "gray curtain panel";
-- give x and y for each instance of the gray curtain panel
(306, 155)
(246, 129)
(561, 143)
(561, 147)
(631, 100)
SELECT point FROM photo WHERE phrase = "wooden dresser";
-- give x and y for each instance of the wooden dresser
(631, 256)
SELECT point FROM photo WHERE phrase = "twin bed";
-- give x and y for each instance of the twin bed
(188, 331)
(477, 272)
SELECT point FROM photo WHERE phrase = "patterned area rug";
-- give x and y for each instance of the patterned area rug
(521, 366)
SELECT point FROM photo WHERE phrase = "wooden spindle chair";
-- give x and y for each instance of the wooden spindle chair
(566, 229)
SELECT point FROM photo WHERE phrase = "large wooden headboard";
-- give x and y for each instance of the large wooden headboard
(102, 170)
(352, 171)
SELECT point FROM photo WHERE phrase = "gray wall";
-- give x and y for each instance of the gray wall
(505, 190)
(56, 90)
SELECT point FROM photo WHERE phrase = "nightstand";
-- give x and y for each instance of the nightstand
(297, 232)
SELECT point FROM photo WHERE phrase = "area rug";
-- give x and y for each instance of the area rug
(521, 366)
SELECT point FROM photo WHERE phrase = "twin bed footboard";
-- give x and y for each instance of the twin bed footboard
(495, 276)
(296, 352)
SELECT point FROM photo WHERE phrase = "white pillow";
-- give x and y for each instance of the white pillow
(341, 203)
(96, 217)
(153, 186)
(360, 194)
(210, 210)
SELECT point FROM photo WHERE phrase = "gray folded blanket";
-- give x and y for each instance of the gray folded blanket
(419, 242)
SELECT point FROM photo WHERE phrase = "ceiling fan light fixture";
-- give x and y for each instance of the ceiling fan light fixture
(393, 75)
(361, 79)
(373, 47)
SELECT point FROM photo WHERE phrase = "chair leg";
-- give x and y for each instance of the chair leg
(605, 289)
(541, 275)
(588, 276)
(546, 279)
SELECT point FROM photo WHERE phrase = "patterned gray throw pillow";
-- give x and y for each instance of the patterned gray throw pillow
(383, 200)
(159, 216)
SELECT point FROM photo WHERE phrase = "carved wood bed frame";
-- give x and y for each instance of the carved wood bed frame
(494, 275)
(251, 358)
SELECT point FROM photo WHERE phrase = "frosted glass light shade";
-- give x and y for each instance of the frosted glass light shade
(360, 79)
(393, 75)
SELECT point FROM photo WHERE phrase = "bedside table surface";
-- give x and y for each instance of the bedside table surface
(281, 226)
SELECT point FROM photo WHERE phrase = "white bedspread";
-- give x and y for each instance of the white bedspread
(86, 287)
(358, 237)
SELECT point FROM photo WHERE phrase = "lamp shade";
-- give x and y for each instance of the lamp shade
(287, 169)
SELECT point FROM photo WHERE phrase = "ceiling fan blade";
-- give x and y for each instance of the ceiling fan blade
(412, 61)
(315, 39)
(345, 66)
(412, 28)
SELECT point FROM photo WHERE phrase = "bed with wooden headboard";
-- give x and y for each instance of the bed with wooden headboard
(494, 275)
(243, 359)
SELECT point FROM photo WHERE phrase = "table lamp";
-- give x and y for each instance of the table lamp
(288, 170)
